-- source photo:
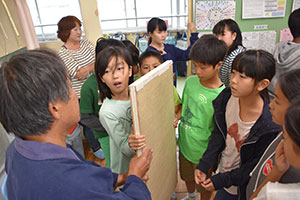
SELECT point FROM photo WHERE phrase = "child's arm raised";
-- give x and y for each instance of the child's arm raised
(183, 55)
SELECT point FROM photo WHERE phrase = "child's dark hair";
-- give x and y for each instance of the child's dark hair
(234, 28)
(148, 54)
(294, 23)
(153, 23)
(289, 83)
(103, 58)
(133, 51)
(102, 43)
(291, 122)
(208, 50)
(257, 64)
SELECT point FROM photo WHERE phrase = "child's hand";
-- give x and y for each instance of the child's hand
(136, 142)
(208, 185)
(192, 27)
(200, 176)
(281, 163)
(175, 122)
(178, 110)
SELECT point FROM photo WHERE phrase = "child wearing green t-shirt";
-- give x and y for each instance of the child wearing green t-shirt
(197, 110)
(150, 60)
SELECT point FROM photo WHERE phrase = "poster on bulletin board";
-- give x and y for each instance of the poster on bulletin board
(296, 4)
(208, 13)
(265, 40)
(285, 35)
(263, 8)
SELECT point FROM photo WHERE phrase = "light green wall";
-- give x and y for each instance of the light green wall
(247, 25)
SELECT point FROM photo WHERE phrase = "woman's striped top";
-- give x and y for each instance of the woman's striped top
(76, 59)
(225, 70)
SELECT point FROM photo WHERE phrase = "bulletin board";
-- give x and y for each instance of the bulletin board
(152, 100)
(247, 25)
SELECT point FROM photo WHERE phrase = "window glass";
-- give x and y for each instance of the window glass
(130, 8)
(115, 15)
(111, 9)
(46, 14)
(136, 14)
(146, 8)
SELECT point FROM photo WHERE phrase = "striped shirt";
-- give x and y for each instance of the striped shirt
(76, 59)
(225, 69)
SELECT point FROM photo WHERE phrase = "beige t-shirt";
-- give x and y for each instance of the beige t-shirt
(237, 132)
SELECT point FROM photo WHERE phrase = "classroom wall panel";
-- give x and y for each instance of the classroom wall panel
(247, 25)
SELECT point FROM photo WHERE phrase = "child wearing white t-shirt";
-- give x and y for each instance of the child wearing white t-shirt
(243, 126)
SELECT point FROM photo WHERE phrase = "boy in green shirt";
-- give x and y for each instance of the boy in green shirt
(89, 108)
(197, 110)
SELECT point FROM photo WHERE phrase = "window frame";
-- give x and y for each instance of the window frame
(174, 17)
(43, 36)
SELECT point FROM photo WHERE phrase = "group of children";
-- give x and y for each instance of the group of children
(113, 74)
(230, 130)
(225, 121)
(115, 67)
(222, 129)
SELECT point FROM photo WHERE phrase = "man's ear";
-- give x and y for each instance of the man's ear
(54, 110)
(263, 84)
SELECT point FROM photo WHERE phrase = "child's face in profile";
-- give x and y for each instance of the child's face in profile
(205, 71)
(158, 36)
(291, 150)
(241, 85)
(149, 64)
(279, 106)
(227, 36)
(116, 77)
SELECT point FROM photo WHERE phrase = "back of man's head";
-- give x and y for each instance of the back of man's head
(294, 23)
(29, 81)
(208, 50)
